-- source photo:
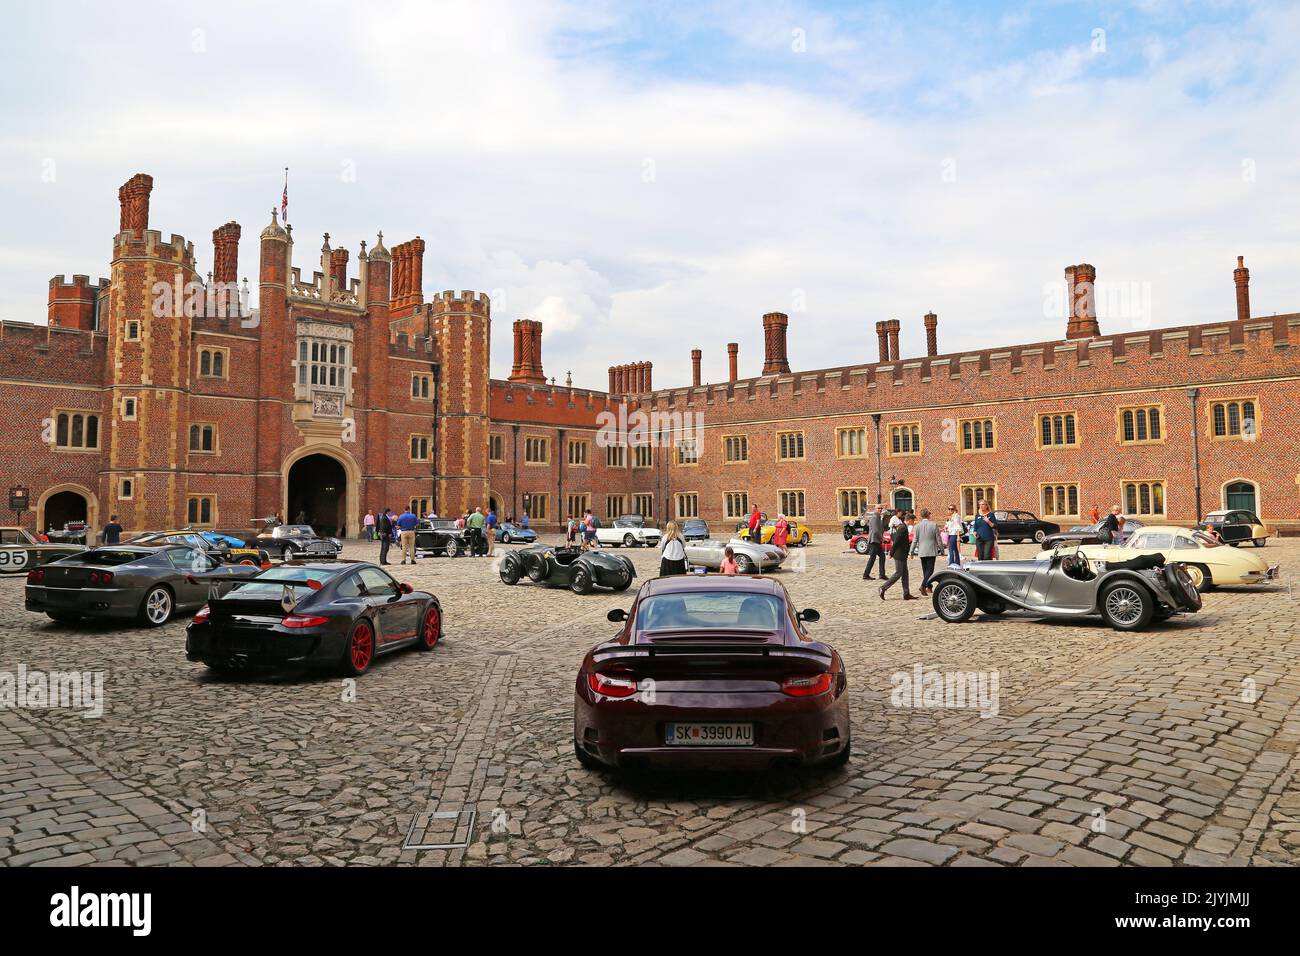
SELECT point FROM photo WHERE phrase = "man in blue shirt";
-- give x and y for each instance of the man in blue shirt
(491, 531)
(524, 522)
(406, 523)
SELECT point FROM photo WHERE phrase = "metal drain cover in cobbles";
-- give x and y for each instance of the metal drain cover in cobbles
(440, 830)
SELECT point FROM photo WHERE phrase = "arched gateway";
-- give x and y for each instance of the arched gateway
(322, 482)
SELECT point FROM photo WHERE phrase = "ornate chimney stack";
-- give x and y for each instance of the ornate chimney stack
(732, 349)
(339, 269)
(612, 372)
(1081, 281)
(1241, 276)
(649, 370)
(225, 253)
(134, 200)
(931, 334)
(775, 361)
(527, 365)
(696, 355)
(882, 340)
(893, 326)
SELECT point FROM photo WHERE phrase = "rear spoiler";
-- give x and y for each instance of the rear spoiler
(707, 647)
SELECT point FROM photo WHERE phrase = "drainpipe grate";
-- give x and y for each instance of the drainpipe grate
(440, 830)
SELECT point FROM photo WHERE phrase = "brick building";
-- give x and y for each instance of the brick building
(344, 394)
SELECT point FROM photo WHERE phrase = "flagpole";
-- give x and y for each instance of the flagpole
(284, 198)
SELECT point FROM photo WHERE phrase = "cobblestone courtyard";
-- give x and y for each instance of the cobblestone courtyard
(1178, 745)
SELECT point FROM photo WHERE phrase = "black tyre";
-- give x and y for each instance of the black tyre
(581, 582)
(992, 606)
(744, 565)
(452, 549)
(359, 650)
(629, 541)
(803, 540)
(954, 601)
(1258, 542)
(625, 578)
(510, 571)
(537, 571)
(863, 546)
(1181, 587)
(587, 761)
(63, 617)
(1039, 535)
(1200, 576)
(505, 537)
(1126, 605)
(842, 758)
(157, 607)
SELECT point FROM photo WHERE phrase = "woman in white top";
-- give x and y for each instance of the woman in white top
(953, 529)
(672, 558)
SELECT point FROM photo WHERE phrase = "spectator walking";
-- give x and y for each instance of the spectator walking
(386, 529)
(406, 525)
(953, 529)
(368, 523)
(112, 531)
(780, 532)
(571, 529)
(986, 532)
(1096, 514)
(926, 545)
(672, 558)
(875, 542)
(899, 545)
(589, 523)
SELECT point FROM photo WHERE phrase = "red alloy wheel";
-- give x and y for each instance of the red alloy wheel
(363, 647)
(432, 627)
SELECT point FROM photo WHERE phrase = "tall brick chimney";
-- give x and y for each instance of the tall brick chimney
(1241, 276)
(225, 253)
(527, 365)
(775, 361)
(696, 355)
(1081, 281)
(893, 327)
(613, 375)
(732, 349)
(931, 334)
(882, 340)
(339, 269)
(134, 200)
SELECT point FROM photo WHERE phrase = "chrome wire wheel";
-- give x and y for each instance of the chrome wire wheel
(952, 600)
(1124, 605)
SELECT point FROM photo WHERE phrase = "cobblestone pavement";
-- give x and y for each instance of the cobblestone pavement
(1178, 745)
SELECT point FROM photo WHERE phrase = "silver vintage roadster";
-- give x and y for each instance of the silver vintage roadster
(749, 557)
(1127, 595)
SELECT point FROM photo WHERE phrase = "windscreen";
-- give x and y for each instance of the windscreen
(710, 610)
(107, 557)
(270, 583)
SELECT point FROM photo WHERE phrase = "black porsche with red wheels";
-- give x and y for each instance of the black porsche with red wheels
(336, 616)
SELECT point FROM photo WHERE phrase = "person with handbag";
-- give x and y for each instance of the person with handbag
(672, 552)
(985, 531)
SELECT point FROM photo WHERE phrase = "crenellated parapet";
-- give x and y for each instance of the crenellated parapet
(44, 353)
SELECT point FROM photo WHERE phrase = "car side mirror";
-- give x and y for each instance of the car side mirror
(406, 588)
(617, 616)
(809, 616)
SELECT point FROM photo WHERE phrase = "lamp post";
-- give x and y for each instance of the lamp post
(1192, 394)
(875, 419)
(894, 484)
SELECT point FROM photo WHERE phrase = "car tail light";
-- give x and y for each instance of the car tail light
(101, 579)
(297, 620)
(35, 576)
(204, 613)
(610, 686)
(807, 686)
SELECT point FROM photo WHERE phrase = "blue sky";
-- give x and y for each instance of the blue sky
(650, 178)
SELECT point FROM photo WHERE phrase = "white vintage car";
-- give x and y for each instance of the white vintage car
(1208, 562)
(629, 531)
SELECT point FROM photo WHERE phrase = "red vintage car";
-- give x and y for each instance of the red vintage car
(859, 543)
(712, 672)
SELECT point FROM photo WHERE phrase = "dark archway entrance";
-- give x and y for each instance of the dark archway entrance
(318, 492)
(64, 507)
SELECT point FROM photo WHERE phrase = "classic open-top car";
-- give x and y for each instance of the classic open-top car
(1127, 595)
(440, 536)
(797, 533)
(629, 531)
(580, 571)
(298, 542)
(711, 671)
(1087, 534)
(750, 557)
(1235, 527)
(1208, 562)
(218, 546)
(127, 581)
(20, 551)
(337, 616)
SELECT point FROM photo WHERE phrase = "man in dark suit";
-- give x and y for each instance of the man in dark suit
(900, 543)
(875, 542)
(385, 534)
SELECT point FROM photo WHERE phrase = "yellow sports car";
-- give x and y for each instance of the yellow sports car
(1208, 562)
(798, 534)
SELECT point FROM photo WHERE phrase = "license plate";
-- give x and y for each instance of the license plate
(709, 735)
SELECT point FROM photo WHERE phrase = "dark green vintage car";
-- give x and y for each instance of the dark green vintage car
(20, 551)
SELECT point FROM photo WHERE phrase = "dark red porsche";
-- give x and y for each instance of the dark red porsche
(712, 672)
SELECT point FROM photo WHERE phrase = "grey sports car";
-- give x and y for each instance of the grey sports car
(749, 557)
(1127, 595)
(148, 584)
